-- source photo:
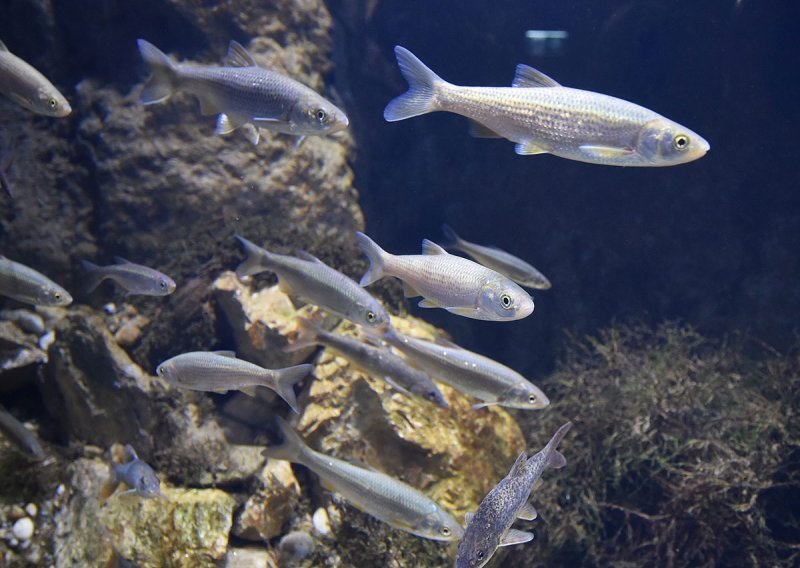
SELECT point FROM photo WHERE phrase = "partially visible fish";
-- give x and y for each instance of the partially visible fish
(314, 281)
(26, 285)
(503, 262)
(222, 371)
(24, 85)
(376, 361)
(137, 475)
(22, 438)
(490, 526)
(134, 278)
(541, 116)
(246, 96)
(385, 498)
(458, 285)
(5, 164)
(470, 373)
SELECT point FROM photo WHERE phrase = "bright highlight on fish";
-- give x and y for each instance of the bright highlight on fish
(29, 286)
(385, 498)
(27, 87)
(541, 117)
(245, 96)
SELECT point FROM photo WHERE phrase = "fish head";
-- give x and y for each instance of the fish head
(525, 396)
(163, 285)
(49, 102)
(167, 371)
(53, 296)
(476, 547)
(429, 392)
(501, 299)
(315, 116)
(440, 525)
(144, 480)
(662, 142)
(372, 316)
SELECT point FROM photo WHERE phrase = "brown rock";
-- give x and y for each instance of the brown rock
(272, 506)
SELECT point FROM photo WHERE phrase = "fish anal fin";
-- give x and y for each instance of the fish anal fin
(426, 303)
(478, 130)
(409, 291)
(251, 133)
(528, 77)
(249, 391)
(529, 149)
(514, 536)
(604, 152)
(238, 56)
(527, 512)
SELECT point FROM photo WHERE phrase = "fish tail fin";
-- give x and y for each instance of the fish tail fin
(94, 275)
(255, 261)
(292, 446)
(307, 333)
(161, 84)
(422, 85)
(287, 378)
(556, 459)
(376, 256)
(451, 238)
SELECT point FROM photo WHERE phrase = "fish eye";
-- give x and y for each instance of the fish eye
(680, 142)
(161, 370)
(322, 116)
(162, 284)
(432, 396)
(52, 102)
(506, 301)
(446, 531)
(532, 398)
(371, 316)
(480, 554)
(57, 295)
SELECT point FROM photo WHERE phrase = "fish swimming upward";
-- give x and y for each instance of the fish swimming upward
(24, 85)
(245, 95)
(490, 526)
(541, 116)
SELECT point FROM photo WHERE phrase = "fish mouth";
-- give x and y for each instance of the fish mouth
(525, 309)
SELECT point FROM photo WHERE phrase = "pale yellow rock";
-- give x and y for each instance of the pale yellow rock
(267, 510)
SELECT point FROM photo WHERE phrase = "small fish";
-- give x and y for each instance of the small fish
(458, 285)
(490, 526)
(24, 85)
(29, 286)
(222, 371)
(314, 281)
(376, 361)
(385, 498)
(505, 263)
(245, 95)
(473, 374)
(22, 438)
(134, 278)
(541, 116)
(137, 475)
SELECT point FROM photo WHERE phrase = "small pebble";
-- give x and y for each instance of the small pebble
(296, 546)
(23, 528)
(320, 521)
(32, 510)
(110, 308)
(16, 512)
(47, 340)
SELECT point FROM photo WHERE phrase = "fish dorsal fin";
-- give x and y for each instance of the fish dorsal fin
(3, 46)
(528, 77)
(527, 512)
(238, 56)
(478, 130)
(120, 260)
(305, 255)
(130, 452)
(225, 353)
(431, 248)
(517, 467)
(468, 517)
(514, 536)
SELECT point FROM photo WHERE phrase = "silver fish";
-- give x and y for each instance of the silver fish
(385, 498)
(246, 96)
(490, 526)
(376, 361)
(134, 278)
(316, 282)
(221, 371)
(458, 285)
(19, 435)
(470, 373)
(137, 475)
(24, 85)
(503, 262)
(26, 285)
(541, 116)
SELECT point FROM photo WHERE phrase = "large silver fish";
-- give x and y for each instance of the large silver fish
(541, 116)
(490, 526)
(221, 371)
(26, 285)
(246, 96)
(316, 282)
(458, 285)
(134, 278)
(376, 361)
(385, 498)
(24, 85)
(470, 373)
(503, 262)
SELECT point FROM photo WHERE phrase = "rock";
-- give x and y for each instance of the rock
(249, 557)
(271, 506)
(240, 466)
(19, 353)
(23, 529)
(321, 523)
(32, 510)
(295, 547)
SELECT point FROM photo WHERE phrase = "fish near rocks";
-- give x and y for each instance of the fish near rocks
(136, 279)
(27, 87)
(136, 474)
(29, 286)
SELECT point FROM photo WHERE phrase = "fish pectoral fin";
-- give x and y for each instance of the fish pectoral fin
(426, 303)
(396, 386)
(409, 291)
(238, 56)
(468, 517)
(604, 152)
(527, 512)
(465, 311)
(514, 536)
(20, 100)
(431, 248)
(528, 77)
(478, 130)
(479, 405)
(529, 149)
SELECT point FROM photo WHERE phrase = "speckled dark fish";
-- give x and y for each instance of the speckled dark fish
(27, 285)
(376, 361)
(27, 87)
(385, 498)
(137, 475)
(22, 438)
(134, 278)
(246, 96)
(490, 526)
